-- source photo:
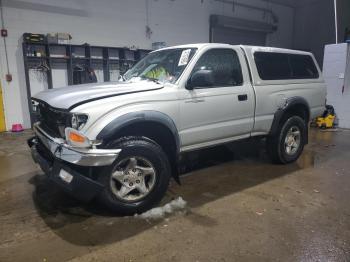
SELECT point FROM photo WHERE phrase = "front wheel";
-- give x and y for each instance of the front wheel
(288, 144)
(139, 177)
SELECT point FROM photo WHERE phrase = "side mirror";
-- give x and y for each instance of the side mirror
(201, 78)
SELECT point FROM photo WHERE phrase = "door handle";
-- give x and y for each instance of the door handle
(242, 97)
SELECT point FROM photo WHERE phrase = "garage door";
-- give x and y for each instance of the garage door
(236, 31)
(238, 36)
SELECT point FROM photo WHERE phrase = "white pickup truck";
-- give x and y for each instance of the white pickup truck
(121, 141)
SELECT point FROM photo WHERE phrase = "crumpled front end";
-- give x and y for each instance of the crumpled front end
(62, 163)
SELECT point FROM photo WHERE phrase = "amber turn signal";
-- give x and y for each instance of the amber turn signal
(76, 137)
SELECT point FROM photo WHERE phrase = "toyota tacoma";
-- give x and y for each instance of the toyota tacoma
(121, 141)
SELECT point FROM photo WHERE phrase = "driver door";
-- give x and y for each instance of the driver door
(222, 111)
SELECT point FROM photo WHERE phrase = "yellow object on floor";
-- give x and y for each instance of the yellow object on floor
(327, 118)
(325, 122)
(2, 113)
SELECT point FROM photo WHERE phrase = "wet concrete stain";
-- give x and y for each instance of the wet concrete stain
(240, 208)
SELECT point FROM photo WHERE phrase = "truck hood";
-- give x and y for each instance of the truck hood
(72, 96)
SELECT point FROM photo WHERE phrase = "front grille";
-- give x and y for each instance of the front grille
(53, 121)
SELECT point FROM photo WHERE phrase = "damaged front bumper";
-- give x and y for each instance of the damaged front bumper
(56, 159)
(77, 156)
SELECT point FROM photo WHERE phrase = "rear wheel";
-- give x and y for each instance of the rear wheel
(139, 177)
(288, 144)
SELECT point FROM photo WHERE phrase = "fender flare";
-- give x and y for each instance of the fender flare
(109, 131)
(290, 102)
(123, 121)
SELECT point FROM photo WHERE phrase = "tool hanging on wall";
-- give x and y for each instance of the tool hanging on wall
(39, 72)
(82, 75)
(78, 67)
(42, 66)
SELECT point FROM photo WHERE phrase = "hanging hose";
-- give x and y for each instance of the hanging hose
(5, 46)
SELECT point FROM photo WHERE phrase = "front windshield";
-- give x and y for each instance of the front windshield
(164, 65)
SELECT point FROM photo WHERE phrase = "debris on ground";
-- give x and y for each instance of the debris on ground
(159, 212)
(316, 191)
(331, 130)
(329, 145)
(260, 213)
(209, 195)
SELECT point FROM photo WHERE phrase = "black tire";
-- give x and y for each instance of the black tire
(276, 144)
(146, 149)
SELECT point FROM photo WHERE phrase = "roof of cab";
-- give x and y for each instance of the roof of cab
(245, 47)
(272, 50)
(199, 46)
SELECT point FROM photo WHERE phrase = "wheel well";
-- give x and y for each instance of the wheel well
(300, 110)
(157, 132)
(295, 109)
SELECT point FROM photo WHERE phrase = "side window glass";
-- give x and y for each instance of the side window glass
(303, 67)
(225, 65)
(272, 66)
(283, 66)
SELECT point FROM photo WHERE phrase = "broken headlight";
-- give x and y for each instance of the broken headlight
(78, 121)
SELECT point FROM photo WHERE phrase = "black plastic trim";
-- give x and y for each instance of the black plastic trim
(108, 132)
(292, 101)
(82, 187)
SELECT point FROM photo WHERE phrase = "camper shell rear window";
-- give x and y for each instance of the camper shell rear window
(284, 66)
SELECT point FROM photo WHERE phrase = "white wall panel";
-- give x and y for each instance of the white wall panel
(335, 65)
(116, 23)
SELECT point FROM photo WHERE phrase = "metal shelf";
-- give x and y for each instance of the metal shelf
(88, 61)
(36, 57)
(59, 58)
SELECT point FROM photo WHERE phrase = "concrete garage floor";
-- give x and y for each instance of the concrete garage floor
(240, 208)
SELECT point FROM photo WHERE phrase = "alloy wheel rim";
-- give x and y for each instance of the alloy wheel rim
(133, 179)
(292, 140)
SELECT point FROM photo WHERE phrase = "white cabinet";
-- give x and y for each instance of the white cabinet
(336, 72)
